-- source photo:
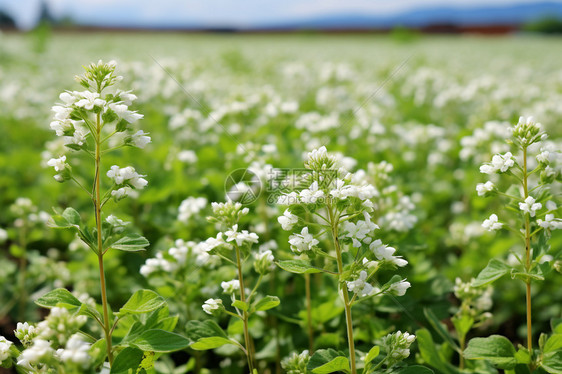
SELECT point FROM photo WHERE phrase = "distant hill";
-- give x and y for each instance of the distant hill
(516, 14)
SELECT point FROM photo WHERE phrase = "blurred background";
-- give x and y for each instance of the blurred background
(480, 16)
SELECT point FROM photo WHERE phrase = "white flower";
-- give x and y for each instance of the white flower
(241, 237)
(121, 192)
(3, 235)
(386, 253)
(76, 351)
(287, 220)
(38, 352)
(361, 287)
(399, 288)
(58, 163)
(302, 242)
(191, 207)
(188, 156)
(212, 305)
(529, 206)
(5, 345)
(550, 222)
(358, 231)
(312, 194)
(61, 113)
(483, 188)
(140, 139)
(89, 100)
(492, 223)
(123, 112)
(499, 163)
(127, 174)
(231, 286)
(62, 126)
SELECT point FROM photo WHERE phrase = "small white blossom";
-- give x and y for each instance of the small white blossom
(89, 100)
(191, 207)
(287, 220)
(38, 352)
(118, 224)
(499, 163)
(302, 242)
(5, 345)
(3, 235)
(492, 224)
(58, 163)
(128, 175)
(123, 112)
(231, 286)
(241, 237)
(212, 305)
(75, 351)
(530, 206)
(550, 222)
(399, 288)
(361, 287)
(483, 188)
(312, 194)
(140, 139)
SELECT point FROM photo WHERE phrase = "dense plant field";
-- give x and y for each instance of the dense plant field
(269, 204)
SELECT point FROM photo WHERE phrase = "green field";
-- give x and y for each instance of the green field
(232, 115)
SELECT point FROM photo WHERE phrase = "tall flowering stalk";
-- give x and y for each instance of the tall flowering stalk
(534, 213)
(234, 246)
(329, 202)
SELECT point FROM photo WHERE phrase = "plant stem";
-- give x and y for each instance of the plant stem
(247, 343)
(309, 314)
(23, 271)
(462, 343)
(348, 318)
(97, 207)
(527, 257)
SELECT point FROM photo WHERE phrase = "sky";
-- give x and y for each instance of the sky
(216, 13)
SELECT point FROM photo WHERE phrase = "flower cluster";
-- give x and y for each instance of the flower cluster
(52, 344)
(475, 301)
(340, 202)
(296, 363)
(397, 347)
(92, 117)
(528, 136)
(190, 207)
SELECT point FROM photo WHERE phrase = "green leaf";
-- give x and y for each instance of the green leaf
(463, 324)
(72, 216)
(556, 325)
(522, 356)
(267, 303)
(436, 324)
(553, 344)
(206, 335)
(59, 297)
(209, 328)
(160, 341)
(496, 348)
(212, 342)
(552, 362)
(416, 369)
(131, 243)
(142, 301)
(495, 270)
(59, 222)
(298, 266)
(325, 361)
(98, 351)
(127, 361)
(373, 353)
(429, 353)
(239, 304)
